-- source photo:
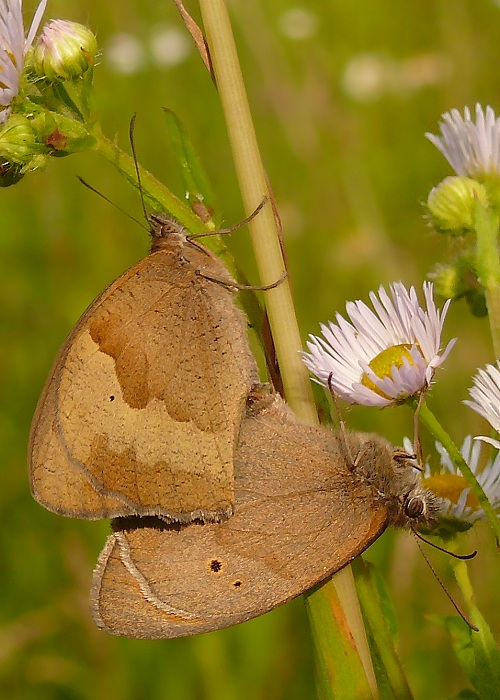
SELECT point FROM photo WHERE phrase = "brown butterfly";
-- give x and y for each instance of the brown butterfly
(304, 509)
(142, 409)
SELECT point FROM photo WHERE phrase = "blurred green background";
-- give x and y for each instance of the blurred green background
(342, 94)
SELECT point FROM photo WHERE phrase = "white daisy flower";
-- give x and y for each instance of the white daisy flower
(13, 49)
(472, 149)
(449, 484)
(384, 357)
(485, 395)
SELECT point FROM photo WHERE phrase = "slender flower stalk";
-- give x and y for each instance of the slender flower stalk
(13, 49)
(383, 356)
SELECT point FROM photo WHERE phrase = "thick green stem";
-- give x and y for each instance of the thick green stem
(253, 185)
(430, 421)
(486, 223)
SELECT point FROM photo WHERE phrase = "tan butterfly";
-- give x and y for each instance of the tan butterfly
(142, 409)
(304, 509)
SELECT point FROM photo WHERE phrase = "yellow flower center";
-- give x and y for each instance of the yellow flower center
(384, 362)
(450, 486)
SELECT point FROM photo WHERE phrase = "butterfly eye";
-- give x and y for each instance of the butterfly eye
(414, 508)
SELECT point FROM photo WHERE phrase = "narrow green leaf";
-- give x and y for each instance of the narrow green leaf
(487, 659)
(381, 627)
(196, 183)
(476, 653)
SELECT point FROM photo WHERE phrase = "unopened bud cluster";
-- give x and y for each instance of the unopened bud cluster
(42, 120)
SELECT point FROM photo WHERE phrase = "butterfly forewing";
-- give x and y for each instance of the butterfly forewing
(141, 412)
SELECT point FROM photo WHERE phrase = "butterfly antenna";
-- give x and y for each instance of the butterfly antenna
(109, 201)
(230, 229)
(448, 595)
(136, 164)
(442, 549)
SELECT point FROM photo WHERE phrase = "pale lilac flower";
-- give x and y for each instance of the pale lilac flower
(448, 483)
(485, 395)
(472, 149)
(13, 49)
(380, 358)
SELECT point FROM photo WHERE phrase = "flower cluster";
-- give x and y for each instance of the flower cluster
(31, 68)
(386, 355)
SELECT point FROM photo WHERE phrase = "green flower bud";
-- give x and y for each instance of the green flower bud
(451, 204)
(63, 51)
(459, 281)
(447, 282)
(20, 150)
(18, 141)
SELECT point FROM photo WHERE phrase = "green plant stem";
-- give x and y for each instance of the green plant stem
(430, 421)
(340, 673)
(155, 193)
(486, 223)
(462, 576)
(253, 185)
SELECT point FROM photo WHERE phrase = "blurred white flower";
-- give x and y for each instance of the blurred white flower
(298, 23)
(125, 53)
(169, 46)
(472, 149)
(384, 357)
(485, 395)
(369, 76)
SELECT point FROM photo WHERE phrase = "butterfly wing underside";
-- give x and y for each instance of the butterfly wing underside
(299, 517)
(141, 412)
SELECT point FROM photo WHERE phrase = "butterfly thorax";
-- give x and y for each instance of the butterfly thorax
(166, 233)
(395, 481)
